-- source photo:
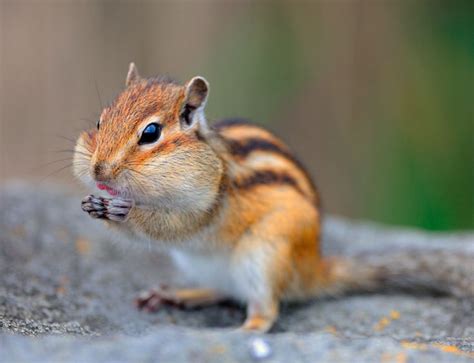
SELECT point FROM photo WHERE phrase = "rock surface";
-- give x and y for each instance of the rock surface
(67, 290)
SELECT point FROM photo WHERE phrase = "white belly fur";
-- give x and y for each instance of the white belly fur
(242, 279)
(207, 271)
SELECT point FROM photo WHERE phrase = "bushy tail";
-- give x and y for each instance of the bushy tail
(441, 271)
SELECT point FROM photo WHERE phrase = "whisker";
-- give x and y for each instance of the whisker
(98, 94)
(72, 152)
(55, 172)
(66, 138)
(88, 121)
(63, 151)
(43, 165)
(140, 164)
(138, 172)
(82, 173)
(137, 182)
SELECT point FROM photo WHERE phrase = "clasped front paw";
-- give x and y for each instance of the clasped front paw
(113, 209)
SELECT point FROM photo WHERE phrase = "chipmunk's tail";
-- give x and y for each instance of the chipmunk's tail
(436, 271)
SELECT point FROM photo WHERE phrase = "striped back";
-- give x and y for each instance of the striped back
(263, 158)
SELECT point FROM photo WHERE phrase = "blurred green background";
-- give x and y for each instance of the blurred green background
(376, 97)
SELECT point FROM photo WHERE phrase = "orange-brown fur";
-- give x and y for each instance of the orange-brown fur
(233, 192)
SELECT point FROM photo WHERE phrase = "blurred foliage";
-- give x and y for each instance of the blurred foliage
(424, 174)
(425, 177)
(375, 96)
(265, 52)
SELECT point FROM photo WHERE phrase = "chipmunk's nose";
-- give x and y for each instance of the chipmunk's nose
(102, 171)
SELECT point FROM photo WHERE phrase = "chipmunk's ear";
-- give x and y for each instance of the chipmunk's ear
(132, 75)
(192, 113)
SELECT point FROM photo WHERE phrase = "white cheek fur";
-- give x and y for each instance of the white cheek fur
(81, 164)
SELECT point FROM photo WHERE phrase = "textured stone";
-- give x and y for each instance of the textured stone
(64, 278)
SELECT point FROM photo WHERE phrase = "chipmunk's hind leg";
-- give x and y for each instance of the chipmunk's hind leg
(270, 259)
(184, 298)
(261, 316)
(260, 267)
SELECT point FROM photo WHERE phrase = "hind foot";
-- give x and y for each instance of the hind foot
(183, 298)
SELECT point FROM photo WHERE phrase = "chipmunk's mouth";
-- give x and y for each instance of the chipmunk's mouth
(113, 192)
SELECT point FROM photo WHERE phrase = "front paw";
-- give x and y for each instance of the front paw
(113, 209)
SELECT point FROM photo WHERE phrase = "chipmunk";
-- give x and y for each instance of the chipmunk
(235, 209)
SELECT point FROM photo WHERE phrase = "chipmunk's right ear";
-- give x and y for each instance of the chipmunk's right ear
(132, 75)
(192, 113)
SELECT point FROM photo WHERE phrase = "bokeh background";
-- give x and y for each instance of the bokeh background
(376, 97)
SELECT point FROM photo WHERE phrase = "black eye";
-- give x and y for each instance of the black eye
(98, 124)
(151, 133)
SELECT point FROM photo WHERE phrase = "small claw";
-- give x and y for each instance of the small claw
(114, 209)
(152, 305)
(118, 209)
(151, 301)
(148, 301)
(120, 203)
(86, 199)
(89, 207)
(117, 217)
(97, 214)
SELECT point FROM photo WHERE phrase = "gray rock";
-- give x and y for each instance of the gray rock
(65, 279)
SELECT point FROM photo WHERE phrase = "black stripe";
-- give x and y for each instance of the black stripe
(242, 148)
(266, 177)
(228, 123)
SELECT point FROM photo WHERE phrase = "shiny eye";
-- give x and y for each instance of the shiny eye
(151, 133)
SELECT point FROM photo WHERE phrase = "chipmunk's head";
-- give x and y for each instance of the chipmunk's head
(149, 145)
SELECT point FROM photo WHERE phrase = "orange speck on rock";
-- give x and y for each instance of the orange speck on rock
(331, 329)
(412, 345)
(62, 234)
(382, 324)
(401, 357)
(443, 347)
(448, 348)
(394, 358)
(18, 231)
(63, 282)
(394, 314)
(218, 349)
(83, 246)
(384, 321)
